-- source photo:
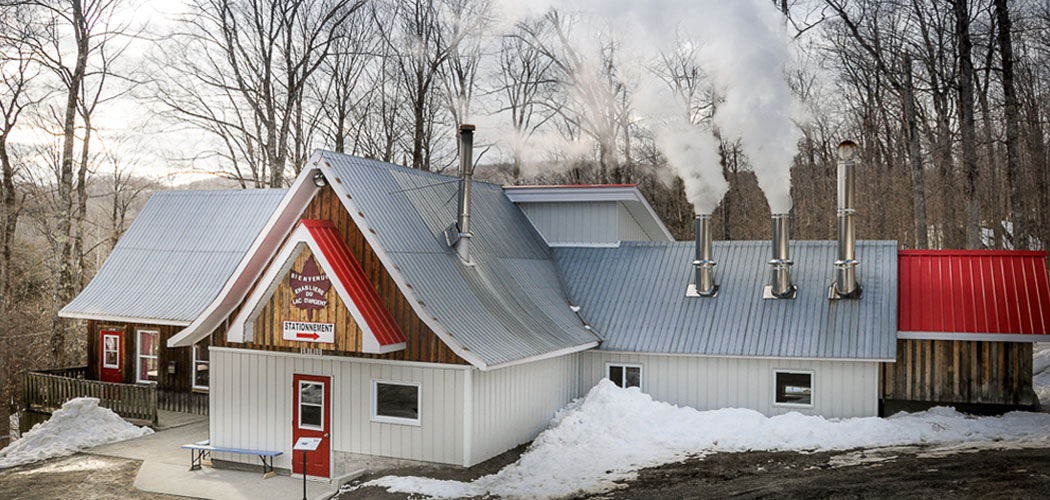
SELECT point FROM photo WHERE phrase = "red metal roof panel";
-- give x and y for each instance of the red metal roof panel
(973, 291)
(352, 277)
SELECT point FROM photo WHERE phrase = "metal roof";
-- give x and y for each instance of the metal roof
(634, 297)
(176, 256)
(974, 291)
(506, 307)
(351, 276)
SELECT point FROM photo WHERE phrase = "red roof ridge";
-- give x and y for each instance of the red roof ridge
(549, 186)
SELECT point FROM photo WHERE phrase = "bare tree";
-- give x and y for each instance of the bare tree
(1013, 155)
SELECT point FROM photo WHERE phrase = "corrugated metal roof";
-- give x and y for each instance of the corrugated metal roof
(634, 297)
(352, 276)
(506, 307)
(176, 256)
(974, 291)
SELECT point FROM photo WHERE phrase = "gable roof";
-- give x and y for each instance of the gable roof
(199, 236)
(634, 297)
(974, 295)
(507, 307)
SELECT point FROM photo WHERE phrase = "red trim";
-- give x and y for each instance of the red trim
(570, 186)
(973, 291)
(352, 277)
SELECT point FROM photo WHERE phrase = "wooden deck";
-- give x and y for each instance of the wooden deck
(45, 391)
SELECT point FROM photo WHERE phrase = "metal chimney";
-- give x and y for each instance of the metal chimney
(845, 285)
(780, 286)
(704, 266)
(458, 234)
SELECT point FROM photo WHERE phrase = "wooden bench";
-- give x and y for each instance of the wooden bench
(201, 451)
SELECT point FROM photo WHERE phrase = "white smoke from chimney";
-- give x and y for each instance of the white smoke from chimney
(746, 54)
(693, 154)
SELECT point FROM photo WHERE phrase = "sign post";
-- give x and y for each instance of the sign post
(306, 444)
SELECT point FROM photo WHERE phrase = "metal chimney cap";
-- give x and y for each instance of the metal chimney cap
(847, 150)
(466, 126)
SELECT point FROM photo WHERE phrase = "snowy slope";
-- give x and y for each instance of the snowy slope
(612, 432)
(80, 423)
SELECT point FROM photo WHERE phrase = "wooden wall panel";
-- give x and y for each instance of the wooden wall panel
(181, 356)
(950, 371)
(423, 345)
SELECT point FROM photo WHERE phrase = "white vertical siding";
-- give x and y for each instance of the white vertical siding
(840, 388)
(251, 405)
(513, 405)
(627, 227)
(574, 223)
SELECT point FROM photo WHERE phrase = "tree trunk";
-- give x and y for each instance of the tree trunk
(1013, 155)
(915, 157)
(64, 285)
(966, 124)
(8, 220)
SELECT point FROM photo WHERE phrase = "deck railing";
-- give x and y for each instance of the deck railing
(45, 392)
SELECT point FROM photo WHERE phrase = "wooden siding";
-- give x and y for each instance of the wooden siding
(840, 388)
(180, 380)
(269, 324)
(948, 371)
(423, 345)
(512, 405)
(251, 406)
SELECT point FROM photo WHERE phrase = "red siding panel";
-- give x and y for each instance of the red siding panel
(352, 276)
(973, 291)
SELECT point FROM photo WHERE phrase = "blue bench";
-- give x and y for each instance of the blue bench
(201, 451)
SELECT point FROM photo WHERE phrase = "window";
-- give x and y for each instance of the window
(624, 375)
(200, 365)
(111, 351)
(311, 405)
(395, 402)
(149, 344)
(793, 388)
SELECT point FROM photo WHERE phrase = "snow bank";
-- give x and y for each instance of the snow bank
(611, 432)
(1041, 372)
(80, 423)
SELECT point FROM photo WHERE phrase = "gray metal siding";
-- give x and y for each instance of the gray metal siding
(513, 405)
(634, 297)
(840, 388)
(563, 223)
(251, 406)
(177, 254)
(509, 305)
(628, 228)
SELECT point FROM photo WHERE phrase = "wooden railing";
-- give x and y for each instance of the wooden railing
(44, 392)
(182, 401)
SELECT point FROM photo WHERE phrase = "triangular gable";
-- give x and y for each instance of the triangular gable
(380, 333)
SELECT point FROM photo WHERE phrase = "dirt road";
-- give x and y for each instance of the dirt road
(77, 477)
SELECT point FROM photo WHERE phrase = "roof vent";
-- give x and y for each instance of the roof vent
(458, 234)
(845, 285)
(704, 266)
(780, 286)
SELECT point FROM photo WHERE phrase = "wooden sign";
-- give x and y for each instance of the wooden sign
(308, 331)
(309, 287)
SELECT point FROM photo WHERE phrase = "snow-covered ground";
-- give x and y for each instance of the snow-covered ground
(1041, 372)
(80, 423)
(611, 432)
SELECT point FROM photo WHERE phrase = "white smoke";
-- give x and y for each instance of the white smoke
(746, 53)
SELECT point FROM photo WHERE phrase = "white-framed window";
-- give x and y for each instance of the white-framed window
(311, 405)
(111, 351)
(624, 374)
(201, 364)
(395, 402)
(147, 365)
(793, 388)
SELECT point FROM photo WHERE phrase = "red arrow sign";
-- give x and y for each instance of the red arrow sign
(311, 335)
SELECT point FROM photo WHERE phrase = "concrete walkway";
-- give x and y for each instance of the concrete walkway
(165, 469)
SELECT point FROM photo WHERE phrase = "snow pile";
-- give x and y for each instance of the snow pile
(612, 432)
(80, 423)
(1041, 373)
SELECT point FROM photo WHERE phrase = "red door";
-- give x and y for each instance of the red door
(311, 417)
(111, 344)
